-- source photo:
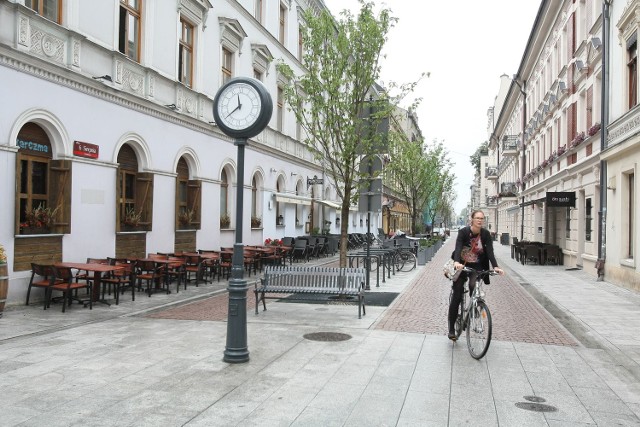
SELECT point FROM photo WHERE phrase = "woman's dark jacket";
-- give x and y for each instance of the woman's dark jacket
(464, 239)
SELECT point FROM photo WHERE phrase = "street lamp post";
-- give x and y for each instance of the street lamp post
(523, 91)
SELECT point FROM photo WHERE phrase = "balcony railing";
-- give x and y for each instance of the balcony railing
(508, 189)
(510, 145)
(491, 172)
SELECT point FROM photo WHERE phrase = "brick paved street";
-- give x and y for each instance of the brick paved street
(422, 307)
(518, 317)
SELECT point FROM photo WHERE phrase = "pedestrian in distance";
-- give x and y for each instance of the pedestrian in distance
(474, 249)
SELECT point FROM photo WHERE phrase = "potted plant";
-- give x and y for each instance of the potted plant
(594, 129)
(225, 221)
(256, 222)
(185, 218)
(38, 220)
(131, 219)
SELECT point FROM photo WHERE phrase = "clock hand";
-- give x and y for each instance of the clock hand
(233, 111)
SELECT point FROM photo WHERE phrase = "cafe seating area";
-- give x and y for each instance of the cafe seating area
(108, 280)
(536, 253)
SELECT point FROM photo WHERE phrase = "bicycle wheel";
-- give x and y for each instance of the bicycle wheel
(409, 261)
(373, 263)
(398, 261)
(479, 330)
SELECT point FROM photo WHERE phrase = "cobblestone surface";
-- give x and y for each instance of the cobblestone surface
(422, 308)
(516, 316)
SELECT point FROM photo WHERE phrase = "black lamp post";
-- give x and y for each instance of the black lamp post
(242, 109)
(523, 91)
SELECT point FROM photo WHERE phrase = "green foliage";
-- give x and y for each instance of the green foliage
(422, 175)
(475, 157)
(336, 99)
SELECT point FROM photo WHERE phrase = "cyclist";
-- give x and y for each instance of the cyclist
(474, 249)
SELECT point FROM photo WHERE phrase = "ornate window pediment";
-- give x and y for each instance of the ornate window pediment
(231, 34)
(262, 57)
(195, 10)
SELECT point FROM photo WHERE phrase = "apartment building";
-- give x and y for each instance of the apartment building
(569, 160)
(108, 144)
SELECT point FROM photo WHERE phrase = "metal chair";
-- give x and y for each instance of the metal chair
(64, 282)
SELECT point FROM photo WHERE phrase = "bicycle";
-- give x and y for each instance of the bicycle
(405, 260)
(475, 317)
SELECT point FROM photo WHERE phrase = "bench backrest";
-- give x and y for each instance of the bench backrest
(315, 278)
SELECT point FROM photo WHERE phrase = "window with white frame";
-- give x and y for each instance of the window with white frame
(628, 214)
(282, 27)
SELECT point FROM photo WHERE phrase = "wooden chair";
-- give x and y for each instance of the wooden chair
(65, 283)
(41, 277)
(120, 280)
(151, 273)
(193, 265)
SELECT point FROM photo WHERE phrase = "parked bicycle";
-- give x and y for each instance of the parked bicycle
(475, 316)
(404, 259)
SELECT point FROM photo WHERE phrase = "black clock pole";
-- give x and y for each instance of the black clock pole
(237, 350)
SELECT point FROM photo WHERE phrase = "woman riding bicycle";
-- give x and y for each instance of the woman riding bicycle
(474, 249)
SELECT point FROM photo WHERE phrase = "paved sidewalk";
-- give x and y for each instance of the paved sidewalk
(116, 366)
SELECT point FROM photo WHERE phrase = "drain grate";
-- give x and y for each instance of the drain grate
(536, 399)
(327, 336)
(536, 407)
(535, 404)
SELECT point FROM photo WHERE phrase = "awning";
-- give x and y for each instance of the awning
(292, 198)
(329, 204)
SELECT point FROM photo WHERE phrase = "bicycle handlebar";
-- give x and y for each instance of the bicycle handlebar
(480, 272)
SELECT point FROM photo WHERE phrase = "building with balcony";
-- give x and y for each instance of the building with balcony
(566, 144)
(107, 128)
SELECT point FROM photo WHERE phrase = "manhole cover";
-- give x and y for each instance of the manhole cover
(327, 336)
(536, 407)
(536, 399)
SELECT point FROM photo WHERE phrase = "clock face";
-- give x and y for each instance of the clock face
(242, 107)
(239, 106)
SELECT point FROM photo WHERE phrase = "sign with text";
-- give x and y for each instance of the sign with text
(84, 149)
(314, 181)
(561, 199)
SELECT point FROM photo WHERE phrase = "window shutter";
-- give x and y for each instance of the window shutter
(60, 194)
(194, 200)
(144, 198)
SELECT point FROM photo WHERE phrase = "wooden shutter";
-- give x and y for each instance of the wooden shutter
(60, 194)
(144, 198)
(194, 200)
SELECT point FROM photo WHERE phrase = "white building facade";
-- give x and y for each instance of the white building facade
(108, 127)
(554, 112)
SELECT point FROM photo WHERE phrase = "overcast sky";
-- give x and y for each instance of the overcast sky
(466, 46)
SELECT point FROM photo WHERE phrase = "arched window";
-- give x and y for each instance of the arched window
(188, 198)
(44, 185)
(254, 197)
(225, 218)
(134, 192)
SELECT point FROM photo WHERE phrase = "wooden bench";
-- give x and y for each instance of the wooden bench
(312, 280)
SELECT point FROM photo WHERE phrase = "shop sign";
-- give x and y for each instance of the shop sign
(84, 149)
(33, 146)
(561, 199)
(314, 181)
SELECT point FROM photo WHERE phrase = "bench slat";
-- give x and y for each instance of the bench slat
(312, 280)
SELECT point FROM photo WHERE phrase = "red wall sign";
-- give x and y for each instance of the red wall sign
(84, 149)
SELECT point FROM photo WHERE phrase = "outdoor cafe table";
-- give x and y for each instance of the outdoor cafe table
(95, 268)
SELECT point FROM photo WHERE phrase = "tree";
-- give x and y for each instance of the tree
(475, 157)
(422, 176)
(332, 99)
